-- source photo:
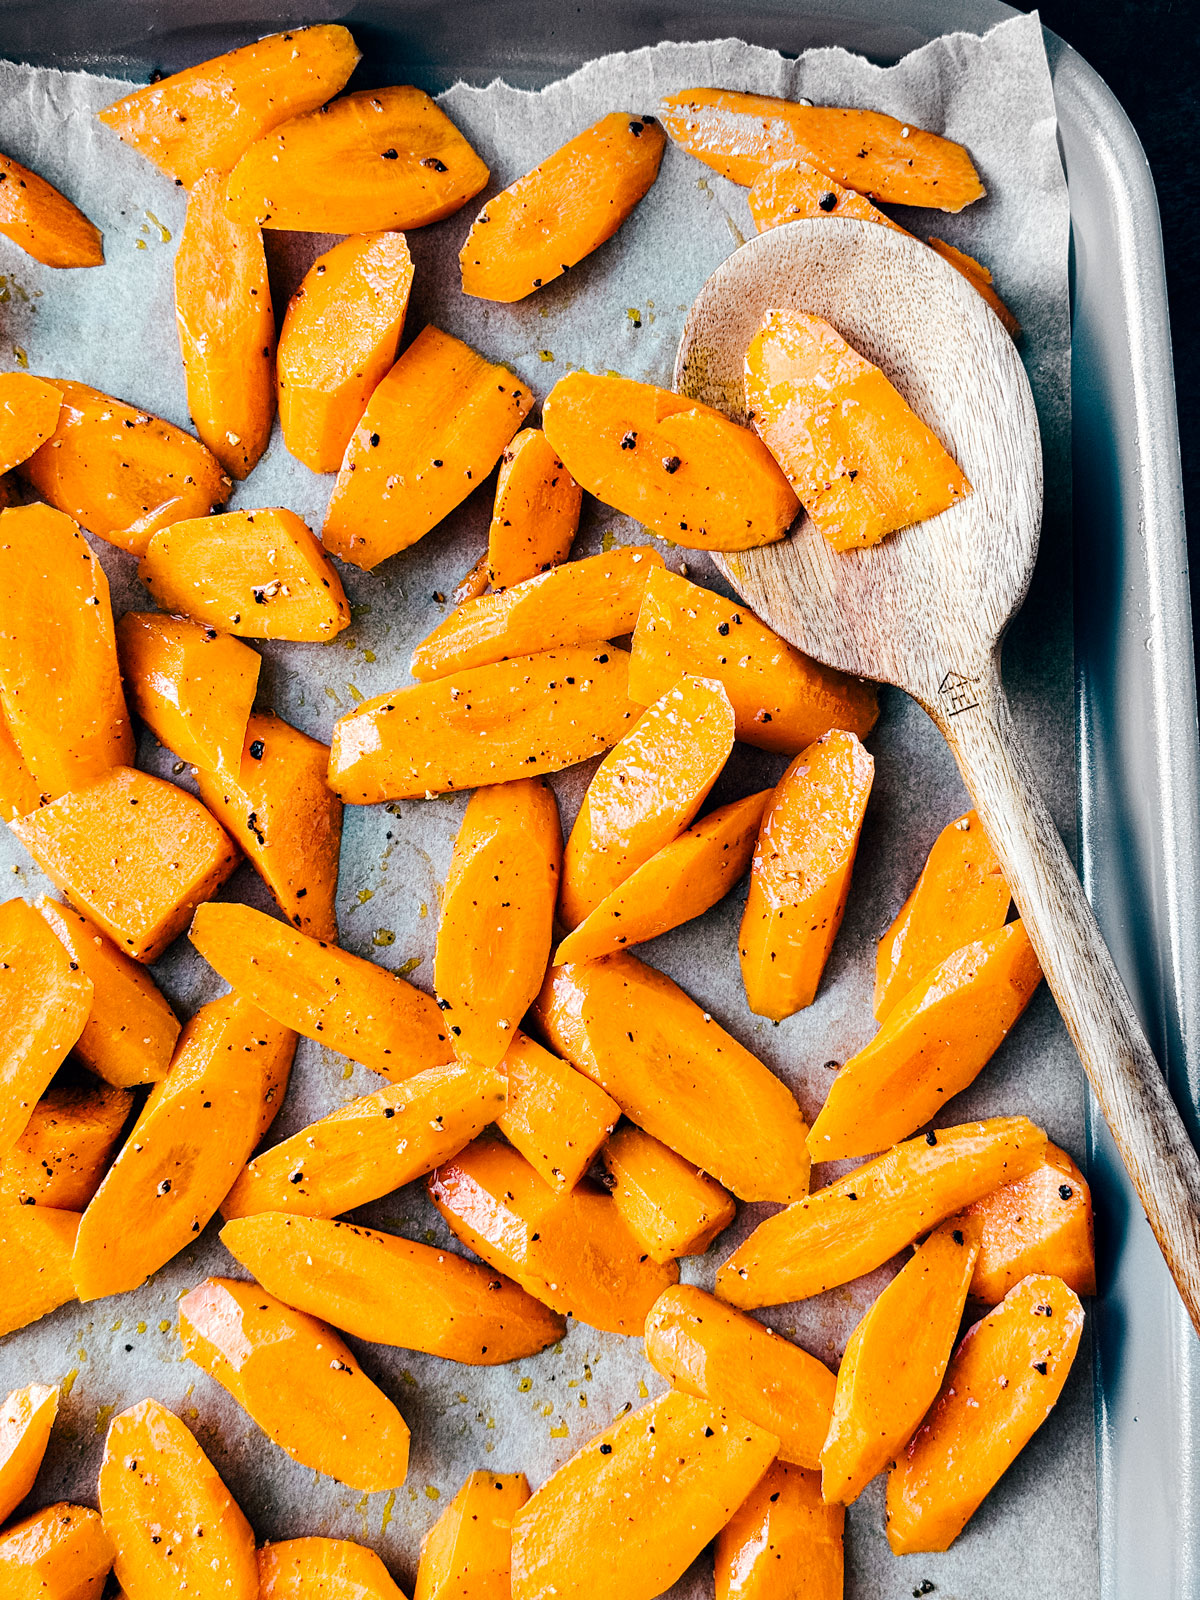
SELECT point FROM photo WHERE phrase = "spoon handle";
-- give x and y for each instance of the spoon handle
(1128, 1081)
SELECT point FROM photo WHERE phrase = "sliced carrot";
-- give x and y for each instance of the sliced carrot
(629, 1512)
(26, 1418)
(36, 216)
(63, 705)
(433, 429)
(195, 1132)
(894, 1363)
(800, 878)
(856, 453)
(1042, 1223)
(371, 1146)
(793, 189)
(392, 1291)
(554, 1116)
(781, 700)
(129, 1036)
(681, 468)
(298, 1381)
(548, 221)
(739, 135)
(536, 513)
(207, 115)
(680, 1076)
(62, 1553)
(135, 854)
(513, 719)
(595, 598)
(339, 338)
(348, 1004)
(36, 1243)
(288, 821)
(226, 328)
(781, 1529)
(569, 1248)
(860, 1221)
(1000, 1387)
(472, 584)
(44, 1003)
(669, 1205)
(65, 1148)
(121, 472)
(19, 791)
(323, 1569)
(257, 574)
(468, 1551)
(382, 158)
(29, 410)
(192, 686)
(717, 1354)
(980, 279)
(936, 1042)
(960, 896)
(156, 1481)
(646, 792)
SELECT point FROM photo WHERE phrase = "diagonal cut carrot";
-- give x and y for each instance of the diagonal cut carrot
(1042, 1223)
(783, 1527)
(322, 1569)
(536, 512)
(793, 189)
(468, 1551)
(43, 222)
(554, 1116)
(64, 1551)
(670, 1206)
(29, 410)
(26, 1418)
(36, 1244)
(66, 1147)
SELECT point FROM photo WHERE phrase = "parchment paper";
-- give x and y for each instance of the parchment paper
(622, 309)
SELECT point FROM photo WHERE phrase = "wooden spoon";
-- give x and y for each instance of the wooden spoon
(927, 608)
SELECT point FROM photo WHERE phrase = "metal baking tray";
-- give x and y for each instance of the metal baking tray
(1138, 757)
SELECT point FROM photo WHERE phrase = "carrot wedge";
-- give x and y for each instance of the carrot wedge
(536, 512)
(43, 222)
(19, 791)
(206, 115)
(781, 1529)
(704, 1348)
(36, 1243)
(681, 468)
(63, 1551)
(670, 1206)
(26, 1418)
(739, 135)
(862, 1220)
(801, 874)
(642, 1499)
(351, 1005)
(548, 221)
(794, 189)
(64, 1151)
(29, 410)
(554, 1116)
(338, 339)
(298, 1381)
(392, 1291)
(1000, 1386)
(322, 1569)
(1042, 1224)
(894, 1363)
(433, 429)
(980, 279)
(120, 472)
(468, 1551)
(514, 719)
(936, 1042)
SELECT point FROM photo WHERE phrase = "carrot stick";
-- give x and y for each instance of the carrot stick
(65, 1148)
(36, 1243)
(61, 1551)
(783, 1528)
(43, 222)
(26, 1418)
(322, 1569)
(669, 1205)
(536, 512)
(794, 189)
(1042, 1223)
(554, 1116)
(468, 1551)
(29, 410)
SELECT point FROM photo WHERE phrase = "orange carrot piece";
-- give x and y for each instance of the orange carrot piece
(554, 1116)
(514, 719)
(1000, 1387)
(155, 1479)
(497, 922)
(894, 1363)
(548, 221)
(65, 1148)
(960, 896)
(44, 1003)
(19, 791)
(936, 1042)
(645, 792)
(1042, 1223)
(382, 158)
(800, 878)
(196, 1131)
(669, 1205)
(26, 1418)
(680, 1076)
(793, 189)
(468, 1551)
(29, 410)
(298, 1380)
(348, 1004)
(339, 338)
(536, 513)
(287, 819)
(856, 453)
(322, 1569)
(472, 584)
(371, 1146)
(433, 429)
(256, 574)
(629, 1512)
(36, 1243)
(860, 1221)
(121, 472)
(226, 328)
(62, 1553)
(980, 279)
(595, 598)
(706, 1349)
(739, 135)
(684, 470)
(782, 1529)
(61, 686)
(43, 222)
(207, 115)
(781, 700)
(392, 1291)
